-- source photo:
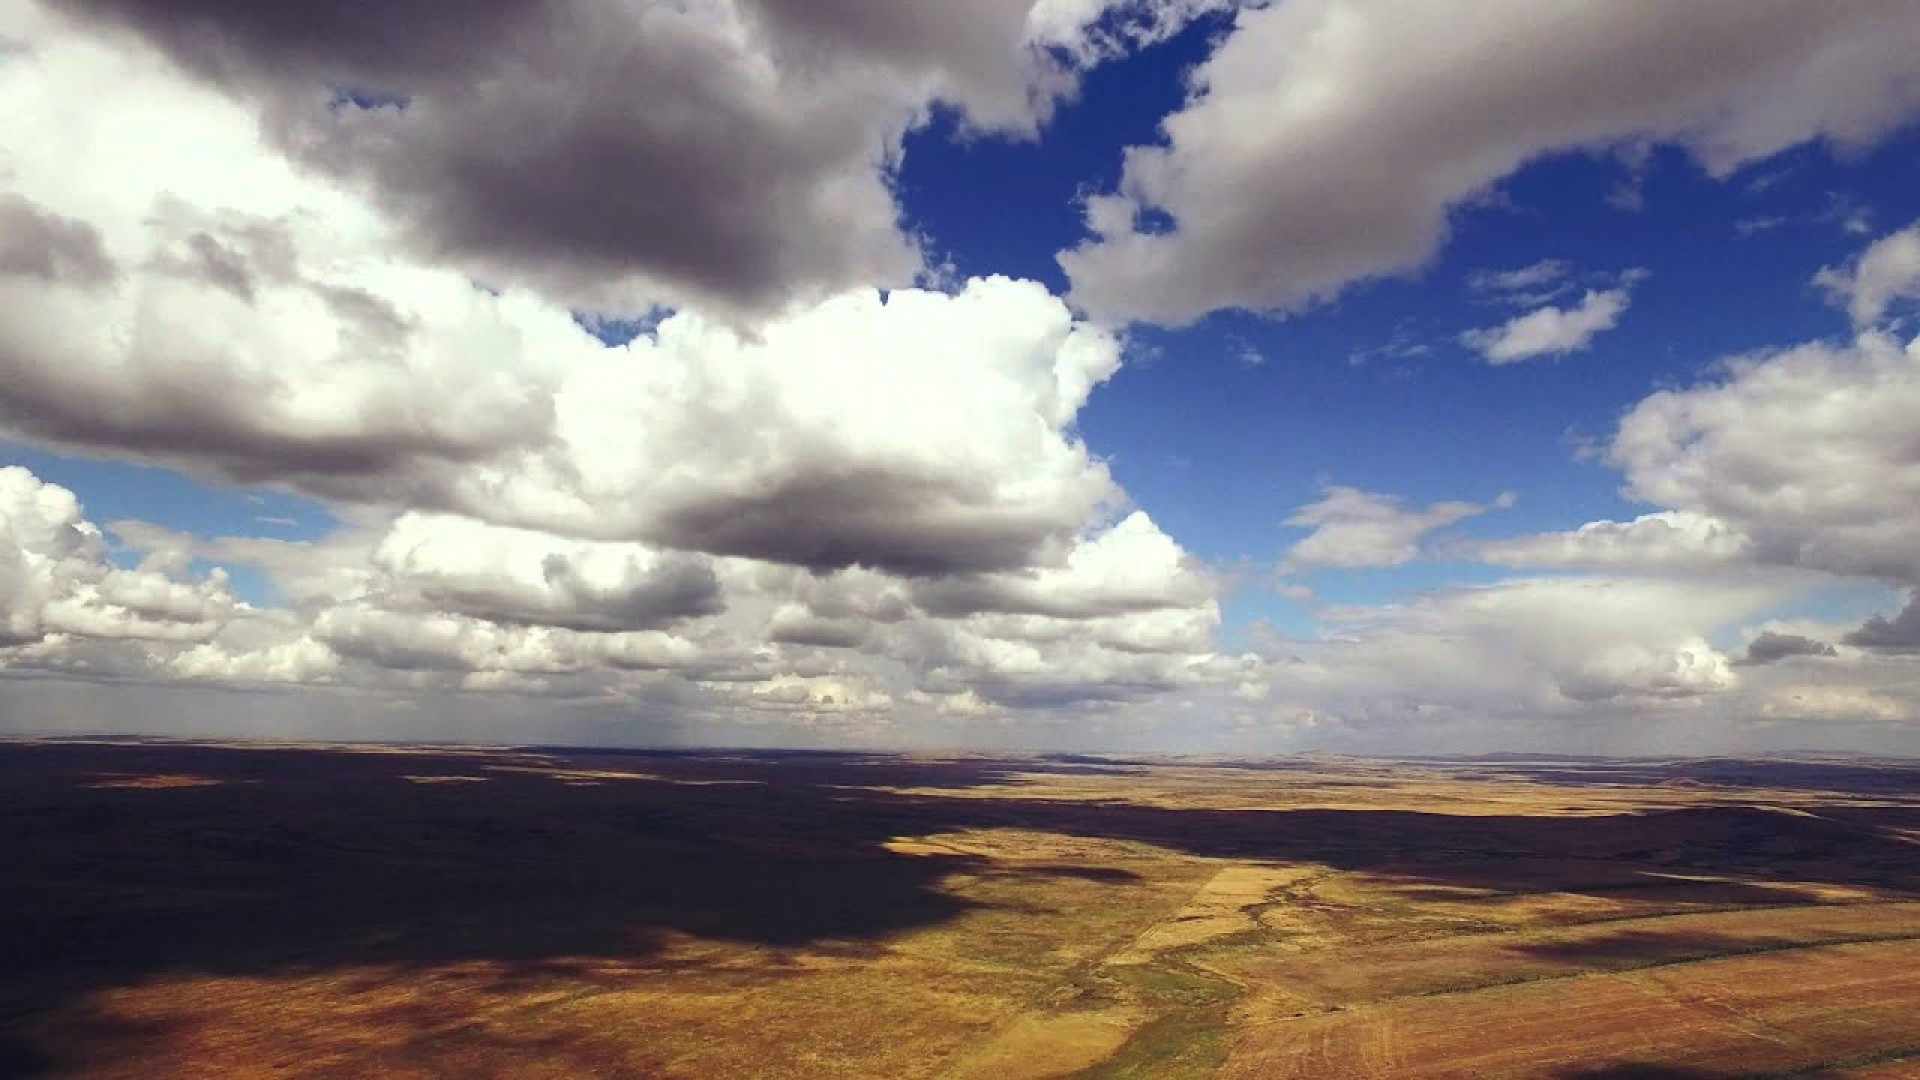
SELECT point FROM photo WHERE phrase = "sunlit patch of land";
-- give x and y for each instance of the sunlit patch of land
(205, 910)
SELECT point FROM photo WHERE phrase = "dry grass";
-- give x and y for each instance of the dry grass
(1741, 1016)
(196, 911)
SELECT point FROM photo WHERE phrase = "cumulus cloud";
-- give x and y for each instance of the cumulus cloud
(1887, 271)
(419, 602)
(1806, 452)
(1132, 567)
(270, 332)
(57, 582)
(1354, 528)
(734, 153)
(515, 575)
(764, 144)
(1280, 183)
(1551, 330)
(349, 259)
(1798, 457)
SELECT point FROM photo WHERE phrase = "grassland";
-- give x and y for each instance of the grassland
(186, 910)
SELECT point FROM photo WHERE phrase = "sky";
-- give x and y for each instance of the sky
(1365, 376)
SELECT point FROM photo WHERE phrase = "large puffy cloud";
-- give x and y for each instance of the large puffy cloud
(1809, 453)
(735, 153)
(1799, 457)
(1132, 567)
(774, 449)
(1282, 180)
(714, 512)
(268, 331)
(517, 132)
(1354, 528)
(704, 514)
(518, 576)
(57, 582)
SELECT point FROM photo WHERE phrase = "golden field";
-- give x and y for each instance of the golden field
(199, 910)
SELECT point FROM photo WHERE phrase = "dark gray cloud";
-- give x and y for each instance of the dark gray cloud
(676, 588)
(1900, 634)
(228, 252)
(35, 243)
(1771, 646)
(728, 153)
(901, 521)
(800, 628)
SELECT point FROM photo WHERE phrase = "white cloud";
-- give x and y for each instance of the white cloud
(273, 330)
(713, 522)
(1889, 270)
(437, 603)
(1132, 567)
(736, 154)
(1522, 651)
(519, 576)
(1669, 540)
(1286, 181)
(1808, 453)
(1096, 30)
(1800, 457)
(57, 582)
(1354, 528)
(1550, 331)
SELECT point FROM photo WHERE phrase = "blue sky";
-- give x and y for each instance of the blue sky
(313, 462)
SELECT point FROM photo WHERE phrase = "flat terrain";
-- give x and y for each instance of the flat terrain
(177, 910)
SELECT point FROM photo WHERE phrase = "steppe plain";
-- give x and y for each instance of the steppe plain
(272, 910)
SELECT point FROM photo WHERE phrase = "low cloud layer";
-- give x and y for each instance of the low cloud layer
(438, 603)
